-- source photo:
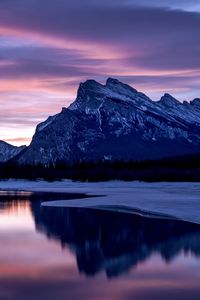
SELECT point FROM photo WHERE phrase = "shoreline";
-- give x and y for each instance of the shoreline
(175, 200)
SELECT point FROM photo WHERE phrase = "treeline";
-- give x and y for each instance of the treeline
(186, 168)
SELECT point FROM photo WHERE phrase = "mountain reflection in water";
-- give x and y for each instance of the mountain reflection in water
(113, 241)
(41, 247)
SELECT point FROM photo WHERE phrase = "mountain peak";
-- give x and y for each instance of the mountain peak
(195, 102)
(91, 93)
(120, 87)
(90, 83)
(168, 100)
(89, 86)
(111, 80)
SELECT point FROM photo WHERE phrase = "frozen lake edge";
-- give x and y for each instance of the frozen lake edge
(176, 200)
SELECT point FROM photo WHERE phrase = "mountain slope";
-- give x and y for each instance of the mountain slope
(115, 121)
(8, 151)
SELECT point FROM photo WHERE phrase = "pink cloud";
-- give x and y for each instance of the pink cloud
(51, 52)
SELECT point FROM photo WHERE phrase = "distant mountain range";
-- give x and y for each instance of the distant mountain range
(8, 151)
(113, 121)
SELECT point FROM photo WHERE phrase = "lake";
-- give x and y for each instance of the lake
(77, 253)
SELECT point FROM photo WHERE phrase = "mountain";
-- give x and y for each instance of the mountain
(115, 121)
(8, 151)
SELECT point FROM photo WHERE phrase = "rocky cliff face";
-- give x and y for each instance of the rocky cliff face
(115, 121)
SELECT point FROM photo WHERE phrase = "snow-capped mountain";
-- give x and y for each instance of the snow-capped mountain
(115, 121)
(8, 151)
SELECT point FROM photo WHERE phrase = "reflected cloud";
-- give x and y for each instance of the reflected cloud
(33, 265)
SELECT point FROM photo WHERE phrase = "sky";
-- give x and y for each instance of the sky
(48, 47)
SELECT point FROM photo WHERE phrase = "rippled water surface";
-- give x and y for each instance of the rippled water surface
(59, 253)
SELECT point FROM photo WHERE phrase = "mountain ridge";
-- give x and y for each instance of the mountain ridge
(8, 151)
(115, 121)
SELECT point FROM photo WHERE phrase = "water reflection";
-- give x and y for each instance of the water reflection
(116, 242)
(147, 258)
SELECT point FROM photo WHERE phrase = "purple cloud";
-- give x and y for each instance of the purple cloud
(53, 45)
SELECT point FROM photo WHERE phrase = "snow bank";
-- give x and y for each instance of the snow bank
(180, 200)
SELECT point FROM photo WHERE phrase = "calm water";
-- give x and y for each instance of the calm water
(60, 253)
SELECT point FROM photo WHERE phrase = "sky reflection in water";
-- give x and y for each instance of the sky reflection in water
(60, 253)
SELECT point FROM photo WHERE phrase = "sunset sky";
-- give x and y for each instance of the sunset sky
(47, 47)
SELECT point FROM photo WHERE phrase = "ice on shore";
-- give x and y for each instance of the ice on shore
(180, 200)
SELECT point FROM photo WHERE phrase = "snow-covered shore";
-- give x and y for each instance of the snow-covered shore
(180, 200)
